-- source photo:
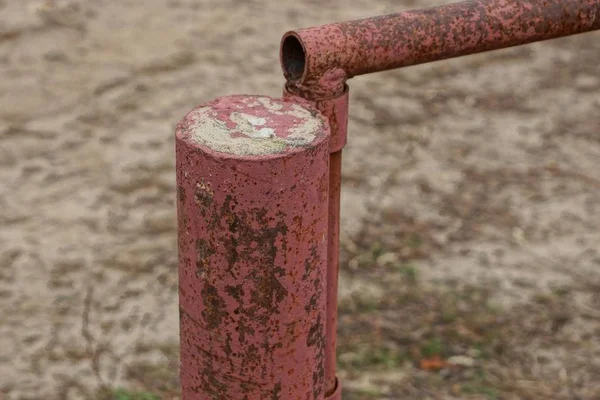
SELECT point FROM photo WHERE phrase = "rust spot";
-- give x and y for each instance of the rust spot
(251, 356)
(180, 194)
(269, 292)
(237, 292)
(228, 351)
(233, 221)
(203, 260)
(276, 393)
(243, 329)
(253, 238)
(298, 223)
(315, 334)
(311, 262)
(330, 54)
(313, 302)
(214, 304)
(203, 196)
(316, 337)
(231, 246)
(210, 384)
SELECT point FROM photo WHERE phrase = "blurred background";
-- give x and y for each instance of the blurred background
(471, 202)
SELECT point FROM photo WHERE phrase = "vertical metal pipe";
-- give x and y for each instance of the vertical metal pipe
(332, 384)
(252, 176)
(335, 109)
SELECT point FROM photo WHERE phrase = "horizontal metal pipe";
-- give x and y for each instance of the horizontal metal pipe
(317, 61)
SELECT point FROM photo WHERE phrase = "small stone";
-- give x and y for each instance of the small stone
(456, 389)
(474, 353)
(56, 56)
(587, 82)
(461, 361)
(387, 259)
(159, 222)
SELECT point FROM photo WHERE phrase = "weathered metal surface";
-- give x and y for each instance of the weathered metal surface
(317, 61)
(337, 393)
(252, 176)
(336, 111)
(333, 267)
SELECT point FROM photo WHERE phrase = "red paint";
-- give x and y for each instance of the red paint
(337, 393)
(336, 111)
(258, 200)
(318, 61)
(252, 257)
(333, 268)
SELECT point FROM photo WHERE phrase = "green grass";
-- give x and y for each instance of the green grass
(124, 394)
(433, 347)
(370, 356)
(488, 391)
(408, 271)
(386, 332)
(415, 241)
(363, 394)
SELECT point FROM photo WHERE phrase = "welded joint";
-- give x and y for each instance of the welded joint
(317, 61)
(334, 109)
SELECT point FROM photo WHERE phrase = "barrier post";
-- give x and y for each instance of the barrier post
(252, 177)
(318, 61)
(335, 109)
(259, 184)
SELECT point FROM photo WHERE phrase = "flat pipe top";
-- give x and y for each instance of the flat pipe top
(253, 126)
(317, 61)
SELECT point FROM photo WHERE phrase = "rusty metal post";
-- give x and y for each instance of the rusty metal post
(335, 109)
(252, 176)
(259, 194)
(318, 61)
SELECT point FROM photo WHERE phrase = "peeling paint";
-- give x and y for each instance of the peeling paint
(253, 125)
(326, 56)
(252, 260)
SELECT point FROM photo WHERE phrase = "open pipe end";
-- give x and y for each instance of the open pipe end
(293, 57)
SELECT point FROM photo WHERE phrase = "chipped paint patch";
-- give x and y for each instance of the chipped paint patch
(252, 254)
(317, 61)
(254, 125)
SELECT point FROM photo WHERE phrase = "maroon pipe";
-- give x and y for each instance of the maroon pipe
(317, 61)
(336, 111)
(253, 190)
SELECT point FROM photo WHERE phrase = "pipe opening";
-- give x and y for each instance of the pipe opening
(293, 58)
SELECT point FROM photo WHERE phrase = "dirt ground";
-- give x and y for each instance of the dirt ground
(471, 202)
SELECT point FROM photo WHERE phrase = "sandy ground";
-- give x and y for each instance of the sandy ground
(487, 166)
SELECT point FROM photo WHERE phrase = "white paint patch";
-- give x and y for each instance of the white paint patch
(256, 121)
(270, 105)
(252, 136)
